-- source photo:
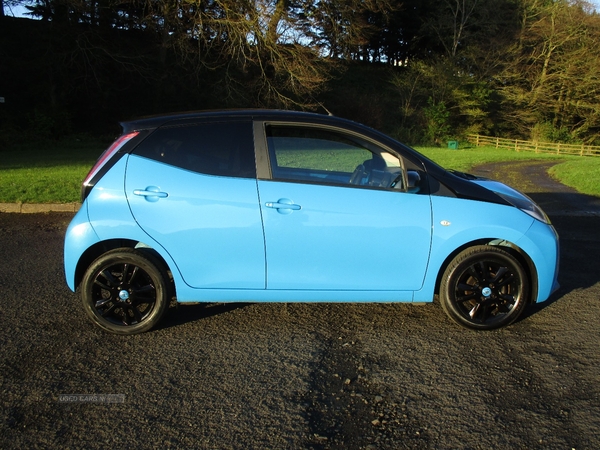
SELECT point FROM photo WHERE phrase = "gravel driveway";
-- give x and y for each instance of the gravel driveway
(294, 376)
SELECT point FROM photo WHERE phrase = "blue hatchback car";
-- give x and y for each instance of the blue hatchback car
(278, 206)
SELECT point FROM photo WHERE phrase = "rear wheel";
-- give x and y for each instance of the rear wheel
(125, 291)
(484, 287)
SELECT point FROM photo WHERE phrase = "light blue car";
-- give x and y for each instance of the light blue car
(277, 206)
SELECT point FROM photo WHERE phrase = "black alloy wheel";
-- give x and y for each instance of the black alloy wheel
(125, 291)
(484, 287)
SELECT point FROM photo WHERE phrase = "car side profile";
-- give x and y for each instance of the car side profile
(280, 206)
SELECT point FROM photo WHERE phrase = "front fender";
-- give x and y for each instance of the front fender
(541, 244)
(458, 223)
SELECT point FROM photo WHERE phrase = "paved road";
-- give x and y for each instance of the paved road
(291, 376)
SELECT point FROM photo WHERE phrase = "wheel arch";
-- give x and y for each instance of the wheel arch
(510, 247)
(98, 249)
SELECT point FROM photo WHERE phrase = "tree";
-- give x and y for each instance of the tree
(348, 29)
(451, 23)
(257, 46)
(549, 81)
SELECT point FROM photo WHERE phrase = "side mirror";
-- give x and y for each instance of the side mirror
(414, 180)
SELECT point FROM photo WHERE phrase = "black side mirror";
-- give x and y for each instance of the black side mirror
(414, 180)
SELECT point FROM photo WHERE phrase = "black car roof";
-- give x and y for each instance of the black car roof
(151, 122)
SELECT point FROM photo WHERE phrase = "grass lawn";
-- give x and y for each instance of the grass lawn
(464, 159)
(53, 172)
(47, 172)
(581, 173)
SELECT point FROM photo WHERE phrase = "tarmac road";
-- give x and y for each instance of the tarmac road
(293, 376)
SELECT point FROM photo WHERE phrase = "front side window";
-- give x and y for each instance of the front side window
(216, 148)
(325, 156)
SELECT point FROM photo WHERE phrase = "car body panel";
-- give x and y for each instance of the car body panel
(108, 210)
(210, 225)
(497, 186)
(109, 215)
(458, 222)
(453, 221)
(79, 237)
(345, 238)
(541, 244)
(191, 295)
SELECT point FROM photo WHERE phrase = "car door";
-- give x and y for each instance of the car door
(337, 214)
(193, 190)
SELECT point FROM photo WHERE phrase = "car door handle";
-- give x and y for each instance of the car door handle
(151, 193)
(283, 205)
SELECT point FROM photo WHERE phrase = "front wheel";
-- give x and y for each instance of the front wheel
(125, 292)
(484, 287)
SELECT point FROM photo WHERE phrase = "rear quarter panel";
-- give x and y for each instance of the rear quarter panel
(110, 217)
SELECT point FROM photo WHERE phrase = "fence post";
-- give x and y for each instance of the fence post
(516, 145)
(558, 149)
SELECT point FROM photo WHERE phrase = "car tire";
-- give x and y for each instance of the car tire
(484, 287)
(125, 291)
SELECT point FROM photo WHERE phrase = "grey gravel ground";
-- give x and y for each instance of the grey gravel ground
(293, 376)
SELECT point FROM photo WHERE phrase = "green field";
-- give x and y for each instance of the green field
(53, 172)
(47, 172)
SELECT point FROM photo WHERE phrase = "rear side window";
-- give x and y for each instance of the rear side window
(216, 148)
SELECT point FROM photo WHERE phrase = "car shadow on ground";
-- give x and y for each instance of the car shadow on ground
(576, 218)
(182, 313)
(569, 204)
